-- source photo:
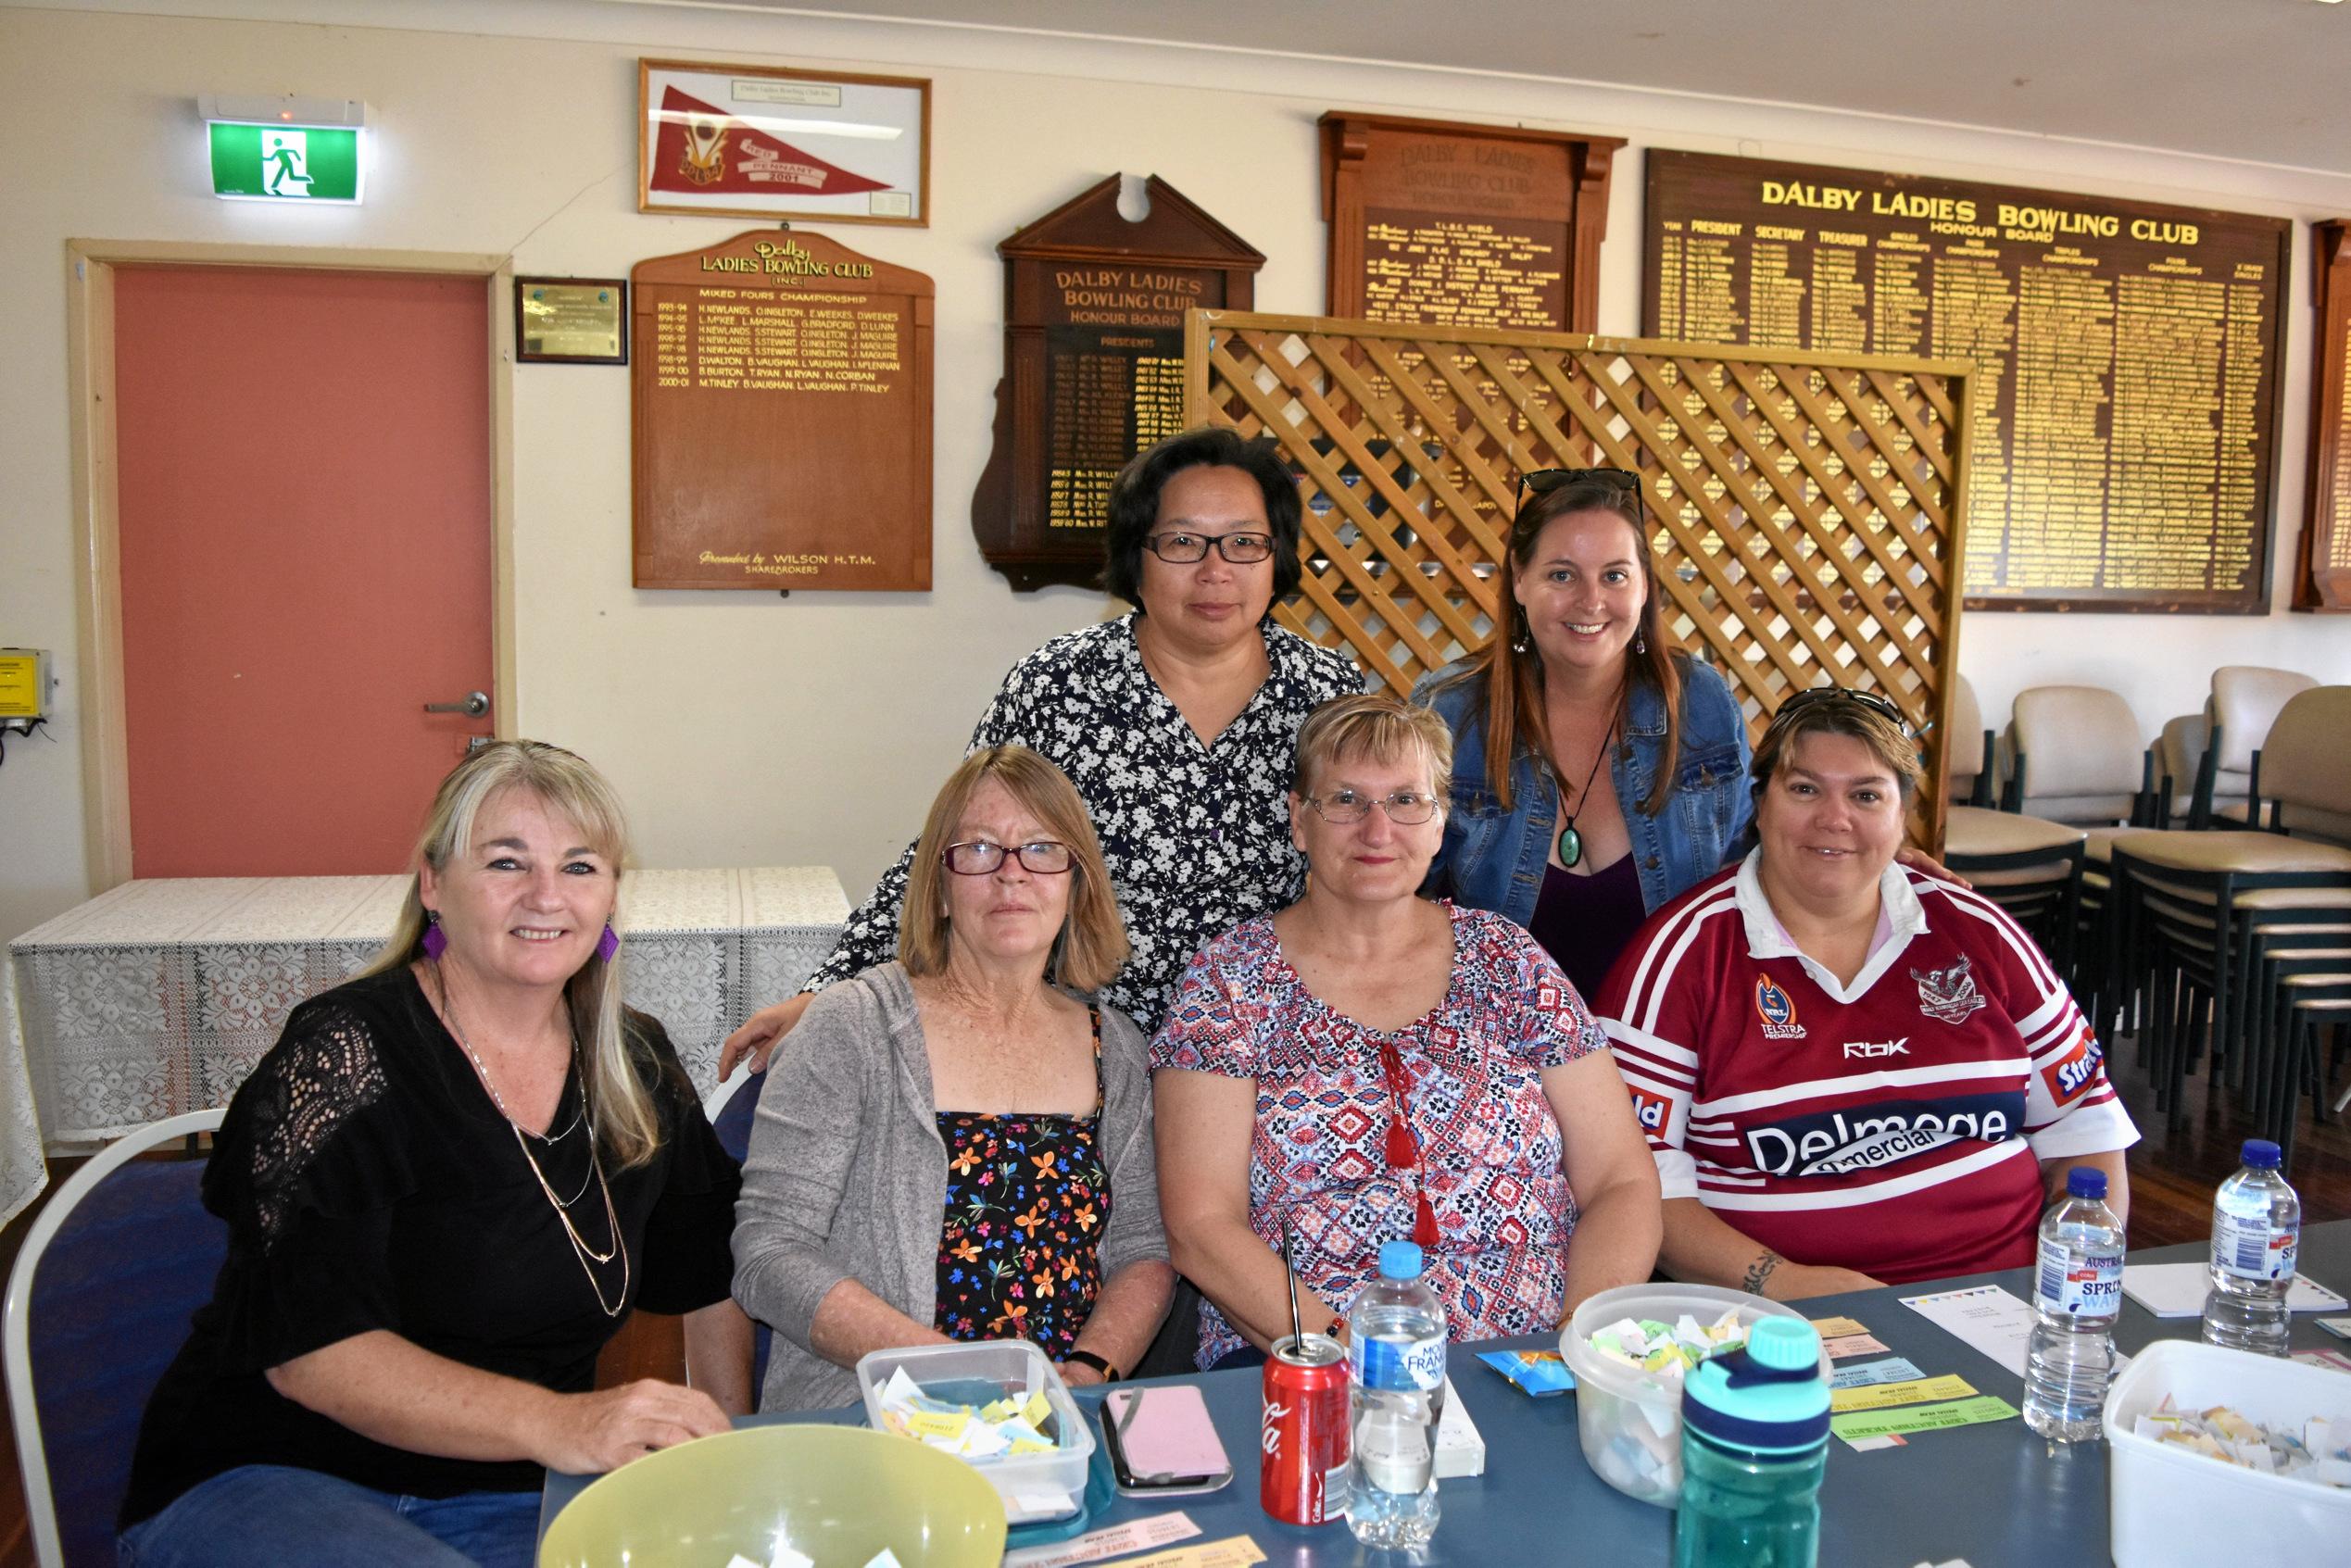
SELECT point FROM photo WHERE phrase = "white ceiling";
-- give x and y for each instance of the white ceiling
(2261, 81)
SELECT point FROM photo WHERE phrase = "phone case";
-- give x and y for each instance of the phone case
(1164, 1439)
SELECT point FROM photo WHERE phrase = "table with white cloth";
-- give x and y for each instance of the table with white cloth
(159, 997)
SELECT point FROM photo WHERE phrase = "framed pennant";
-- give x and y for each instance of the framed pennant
(767, 141)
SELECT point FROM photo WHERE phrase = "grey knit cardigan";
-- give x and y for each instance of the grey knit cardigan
(847, 1175)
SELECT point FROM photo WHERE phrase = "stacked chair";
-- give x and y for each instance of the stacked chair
(2029, 866)
(2247, 700)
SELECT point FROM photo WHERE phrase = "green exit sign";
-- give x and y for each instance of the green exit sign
(294, 163)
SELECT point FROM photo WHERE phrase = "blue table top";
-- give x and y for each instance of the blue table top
(1993, 1493)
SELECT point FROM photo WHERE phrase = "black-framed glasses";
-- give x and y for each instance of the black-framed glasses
(977, 856)
(1812, 697)
(1406, 808)
(1183, 549)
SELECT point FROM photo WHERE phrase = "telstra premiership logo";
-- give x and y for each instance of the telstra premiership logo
(1778, 1010)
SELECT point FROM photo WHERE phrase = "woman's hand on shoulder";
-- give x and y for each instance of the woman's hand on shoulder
(588, 1434)
(755, 1042)
(1916, 859)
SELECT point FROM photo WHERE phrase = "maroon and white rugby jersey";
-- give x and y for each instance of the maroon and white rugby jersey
(1895, 1125)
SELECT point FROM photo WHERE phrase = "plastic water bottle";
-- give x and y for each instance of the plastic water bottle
(2256, 1229)
(2078, 1291)
(1397, 1344)
(1754, 1445)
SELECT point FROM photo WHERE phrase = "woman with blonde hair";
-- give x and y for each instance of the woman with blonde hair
(959, 1145)
(446, 1186)
(1368, 1065)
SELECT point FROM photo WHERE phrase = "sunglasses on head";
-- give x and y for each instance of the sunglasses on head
(1812, 697)
(1543, 480)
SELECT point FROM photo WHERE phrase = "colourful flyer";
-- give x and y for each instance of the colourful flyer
(1921, 1418)
(1853, 1345)
(1885, 1396)
(1894, 1369)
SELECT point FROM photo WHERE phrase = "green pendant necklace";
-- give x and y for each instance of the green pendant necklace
(1571, 843)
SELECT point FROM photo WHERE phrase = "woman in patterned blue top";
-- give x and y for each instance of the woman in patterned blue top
(1176, 720)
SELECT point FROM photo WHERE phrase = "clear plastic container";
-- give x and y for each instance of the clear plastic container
(2167, 1505)
(980, 1373)
(1629, 1421)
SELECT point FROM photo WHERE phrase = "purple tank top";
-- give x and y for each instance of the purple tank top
(1584, 922)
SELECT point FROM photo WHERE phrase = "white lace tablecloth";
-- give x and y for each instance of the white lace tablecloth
(159, 997)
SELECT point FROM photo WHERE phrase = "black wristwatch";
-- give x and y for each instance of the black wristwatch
(1087, 1358)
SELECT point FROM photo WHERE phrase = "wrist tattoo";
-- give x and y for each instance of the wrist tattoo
(1758, 1271)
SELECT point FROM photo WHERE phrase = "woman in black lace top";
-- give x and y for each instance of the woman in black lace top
(446, 1186)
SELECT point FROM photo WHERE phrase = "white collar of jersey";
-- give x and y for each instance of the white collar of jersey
(1766, 938)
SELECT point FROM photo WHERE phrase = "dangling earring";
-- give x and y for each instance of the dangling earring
(1641, 643)
(434, 941)
(1523, 640)
(608, 946)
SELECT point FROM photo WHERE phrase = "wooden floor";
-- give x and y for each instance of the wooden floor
(2173, 1175)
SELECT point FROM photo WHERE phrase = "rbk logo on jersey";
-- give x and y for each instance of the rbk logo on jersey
(1948, 993)
(1868, 1049)
(1864, 1138)
(1778, 1010)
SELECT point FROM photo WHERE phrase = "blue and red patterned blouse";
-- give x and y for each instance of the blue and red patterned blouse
(1477, 1161)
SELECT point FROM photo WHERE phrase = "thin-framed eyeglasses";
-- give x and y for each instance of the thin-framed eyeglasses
(1406, 808)
(1543, 480)
(977, 856)
(1183, 549)
(1812, 697)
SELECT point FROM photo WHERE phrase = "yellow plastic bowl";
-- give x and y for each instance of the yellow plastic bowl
(838, 1494)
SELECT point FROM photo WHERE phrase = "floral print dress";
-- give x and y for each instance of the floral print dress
(1028, 1198)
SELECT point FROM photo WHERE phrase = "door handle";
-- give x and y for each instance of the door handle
(474, 705)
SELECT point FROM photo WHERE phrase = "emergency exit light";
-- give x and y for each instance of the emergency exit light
(287, 149)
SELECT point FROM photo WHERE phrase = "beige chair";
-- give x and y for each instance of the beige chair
(1972, 775)
(2245, 701)
(2180, 759)
(2306, 767)
(2080, 757)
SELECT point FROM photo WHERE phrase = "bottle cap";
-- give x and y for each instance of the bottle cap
(2084, 1181)
(2260, 1153)
(1769, 1395)
(1400, 1259)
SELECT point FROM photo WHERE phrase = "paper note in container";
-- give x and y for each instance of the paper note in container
(1008, 1377)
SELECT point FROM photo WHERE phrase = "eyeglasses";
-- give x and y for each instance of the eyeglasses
(1406, 808)
(1183, 549)
(978, 857)
(1543, 480)
(1812, 697)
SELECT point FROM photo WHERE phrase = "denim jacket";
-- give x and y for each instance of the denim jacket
(1493, 859)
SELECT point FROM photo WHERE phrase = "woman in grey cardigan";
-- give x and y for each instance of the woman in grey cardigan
(957, 1147)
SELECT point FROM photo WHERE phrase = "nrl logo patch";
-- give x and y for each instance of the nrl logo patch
(1948, 993)
(1777, 1009)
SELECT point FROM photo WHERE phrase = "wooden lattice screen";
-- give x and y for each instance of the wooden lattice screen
(1807, 507)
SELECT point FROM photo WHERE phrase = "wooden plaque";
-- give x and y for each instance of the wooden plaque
(2323, 580)
(781, 414)
(1482, 227)
(2124, 449)
(1093, 366)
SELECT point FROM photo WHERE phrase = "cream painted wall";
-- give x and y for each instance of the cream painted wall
(747, 729)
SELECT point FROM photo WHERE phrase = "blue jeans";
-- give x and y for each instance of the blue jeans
(270, 1514)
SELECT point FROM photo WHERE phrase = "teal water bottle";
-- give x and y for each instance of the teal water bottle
(1755, 1442)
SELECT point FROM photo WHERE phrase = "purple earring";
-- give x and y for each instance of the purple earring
(436, 941)
(608, 946)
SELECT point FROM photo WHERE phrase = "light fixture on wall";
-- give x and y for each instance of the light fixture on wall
(286, 149)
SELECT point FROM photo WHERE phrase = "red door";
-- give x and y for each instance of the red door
(304, 470)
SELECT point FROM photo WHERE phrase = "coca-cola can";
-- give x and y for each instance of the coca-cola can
(1303, 1479)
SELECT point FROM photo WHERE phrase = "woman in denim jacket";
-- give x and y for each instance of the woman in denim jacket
(1598, 770)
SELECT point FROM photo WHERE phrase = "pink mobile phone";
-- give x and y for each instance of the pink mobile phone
(1161, 1442)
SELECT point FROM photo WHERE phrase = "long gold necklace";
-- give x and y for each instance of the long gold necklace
(579, 1248)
